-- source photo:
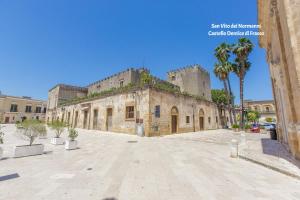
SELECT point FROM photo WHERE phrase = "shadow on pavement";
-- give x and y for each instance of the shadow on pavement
(276, 149)
(8, 177)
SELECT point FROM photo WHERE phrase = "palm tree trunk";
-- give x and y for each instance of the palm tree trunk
(242, 99)
(231, 101)
(228, 103)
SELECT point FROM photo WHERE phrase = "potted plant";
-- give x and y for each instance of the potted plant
(59, 128)
(31, 129)
(43, 133)
(262, 129)
(247, 128)
(71, 143)
(235, 127)
(1, 142)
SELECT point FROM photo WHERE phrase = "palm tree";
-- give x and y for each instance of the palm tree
(222, 53)
(242, 50)
(222, 71)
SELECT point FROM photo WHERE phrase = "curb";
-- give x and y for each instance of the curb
(270, 167)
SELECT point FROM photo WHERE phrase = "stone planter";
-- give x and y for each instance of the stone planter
(236, 129)
(27, 150)
(1, 153)
(71, 144)
(263, 131)
(57, 141)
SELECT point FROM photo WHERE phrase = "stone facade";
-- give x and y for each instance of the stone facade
(158, 111)
(14, 109)
(280, 21)
(266, 109)
(120, 79)
(62, 92)
(192, 79)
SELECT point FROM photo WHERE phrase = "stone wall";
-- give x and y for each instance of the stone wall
(187, 107)
(117, 103)
(144, 102)
(117, 80)
(193, 80)
(62, 92)
(280, 20)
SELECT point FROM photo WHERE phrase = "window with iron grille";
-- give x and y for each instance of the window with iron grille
(157, 111)
(129, 112)
(38, 110)
(13, 108)
(187, 119)
(28, 109)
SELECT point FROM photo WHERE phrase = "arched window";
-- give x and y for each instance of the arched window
(174, 110)
(201, 112)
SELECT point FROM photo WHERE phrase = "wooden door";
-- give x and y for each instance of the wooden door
(76, 119)
(174, 123)
(85, 116)
(95, 119)
(109, 119)
(6, 120)
(201, 123)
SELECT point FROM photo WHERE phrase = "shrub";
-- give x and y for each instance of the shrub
(247, 126)
(269, 119)
(32, 129)
(262, 127)
(58, 127)
(73, 134)
(235, 126)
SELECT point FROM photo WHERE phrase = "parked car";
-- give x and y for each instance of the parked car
(255, 128)
(269, 126)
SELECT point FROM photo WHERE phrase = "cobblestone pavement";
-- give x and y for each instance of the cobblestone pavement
(114, 166)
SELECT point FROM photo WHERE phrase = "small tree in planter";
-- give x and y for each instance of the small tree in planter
(1, 142)
(71, 143)
(235, 127)
(247, 128)
(59, 128)
(31, 129)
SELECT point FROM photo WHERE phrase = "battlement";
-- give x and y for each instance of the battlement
(188, 68)
(128, 70)
(70, 87)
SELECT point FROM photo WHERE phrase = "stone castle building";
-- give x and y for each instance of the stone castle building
(16, 109)
(280, 21)
(266, 109)
(133, 98)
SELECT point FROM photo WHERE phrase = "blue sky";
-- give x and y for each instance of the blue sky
(76, 42)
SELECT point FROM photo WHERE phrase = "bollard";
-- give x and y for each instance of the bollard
(243, 139)
(234, 148)
(1, 153)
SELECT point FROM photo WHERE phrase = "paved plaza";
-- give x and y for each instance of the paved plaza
(112, 166)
